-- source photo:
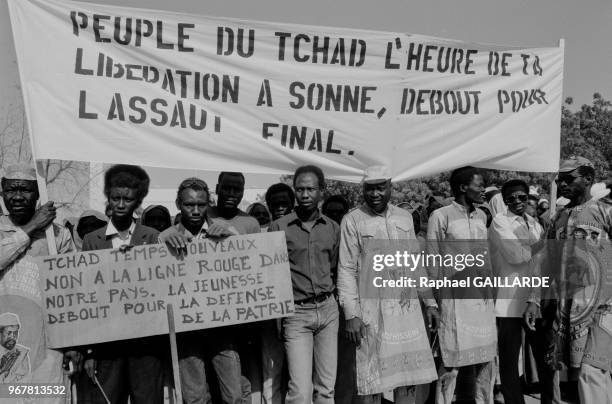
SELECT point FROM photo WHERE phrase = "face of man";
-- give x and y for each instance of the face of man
(307, 191)
(8, 336)
(280, 205)
(230, 191)
(335, 211)
(572, 185)
(516, 199)
(532, 208)
(193, 205)
(377, 195)
(261, 214)
(20, 198)
(542, 207)
(123, 202)
(474, 191)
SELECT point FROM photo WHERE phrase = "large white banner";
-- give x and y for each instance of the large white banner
(115, 84)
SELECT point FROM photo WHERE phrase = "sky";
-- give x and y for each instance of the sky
(584, 25)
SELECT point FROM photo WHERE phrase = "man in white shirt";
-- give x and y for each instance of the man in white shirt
(515, 239)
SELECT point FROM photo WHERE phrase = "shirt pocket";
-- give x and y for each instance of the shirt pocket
(404, 231)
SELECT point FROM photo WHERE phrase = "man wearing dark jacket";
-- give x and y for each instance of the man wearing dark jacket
(130, 368)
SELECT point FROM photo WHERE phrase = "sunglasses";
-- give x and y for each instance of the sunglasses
(516, 199)
(566, 178)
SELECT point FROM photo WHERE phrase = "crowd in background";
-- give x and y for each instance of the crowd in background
(334, 348)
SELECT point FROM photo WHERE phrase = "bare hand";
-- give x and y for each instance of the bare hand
(77, 362)
(42, 218)
(529, 316)
(217, 230)
(433, 318)
(90, 368)
(175, 239)
(355, 330)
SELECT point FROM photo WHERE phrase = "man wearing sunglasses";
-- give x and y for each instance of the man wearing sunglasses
(515, 240)
(580, 326)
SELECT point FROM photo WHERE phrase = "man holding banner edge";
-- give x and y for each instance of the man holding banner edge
(23, 237)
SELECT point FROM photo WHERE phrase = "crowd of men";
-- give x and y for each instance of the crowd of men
(342, 344)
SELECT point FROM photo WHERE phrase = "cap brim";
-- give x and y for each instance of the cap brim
(376, 180)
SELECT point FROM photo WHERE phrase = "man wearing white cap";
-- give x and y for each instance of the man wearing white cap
(14, 358)
(387, 328)
(22, 236)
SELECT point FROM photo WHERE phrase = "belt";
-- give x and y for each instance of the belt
(315, 299)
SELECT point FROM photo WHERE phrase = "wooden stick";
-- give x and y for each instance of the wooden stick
(553, 196)
(44, 198)
(174, 355)
(101, 390)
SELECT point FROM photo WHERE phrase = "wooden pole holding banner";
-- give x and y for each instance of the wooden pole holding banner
(553, 184)
(174, 354)
(44, 198)
(553, 196)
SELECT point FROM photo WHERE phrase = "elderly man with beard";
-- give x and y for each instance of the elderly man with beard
(388, 334)
(22, 236)
(14, 357)
(467, 332)
(578, 326)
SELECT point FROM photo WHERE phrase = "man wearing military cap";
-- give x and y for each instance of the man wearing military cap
(579, 324)
(22, 236)
(14, 357)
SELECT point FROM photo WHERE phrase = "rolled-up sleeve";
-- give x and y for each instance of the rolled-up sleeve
(503, 237)
(12, 244)
(348, 268)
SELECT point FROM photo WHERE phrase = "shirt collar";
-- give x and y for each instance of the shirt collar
(112, 231)
(201, 233)
(459, 206)
(513, 216)
(320, 218)
(384, 213)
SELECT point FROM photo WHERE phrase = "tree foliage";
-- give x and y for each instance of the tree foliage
(586, 132)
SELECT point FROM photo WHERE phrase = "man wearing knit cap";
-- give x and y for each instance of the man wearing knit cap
(22, 236)
(580, 324)
(387, 331)
(14, 358)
